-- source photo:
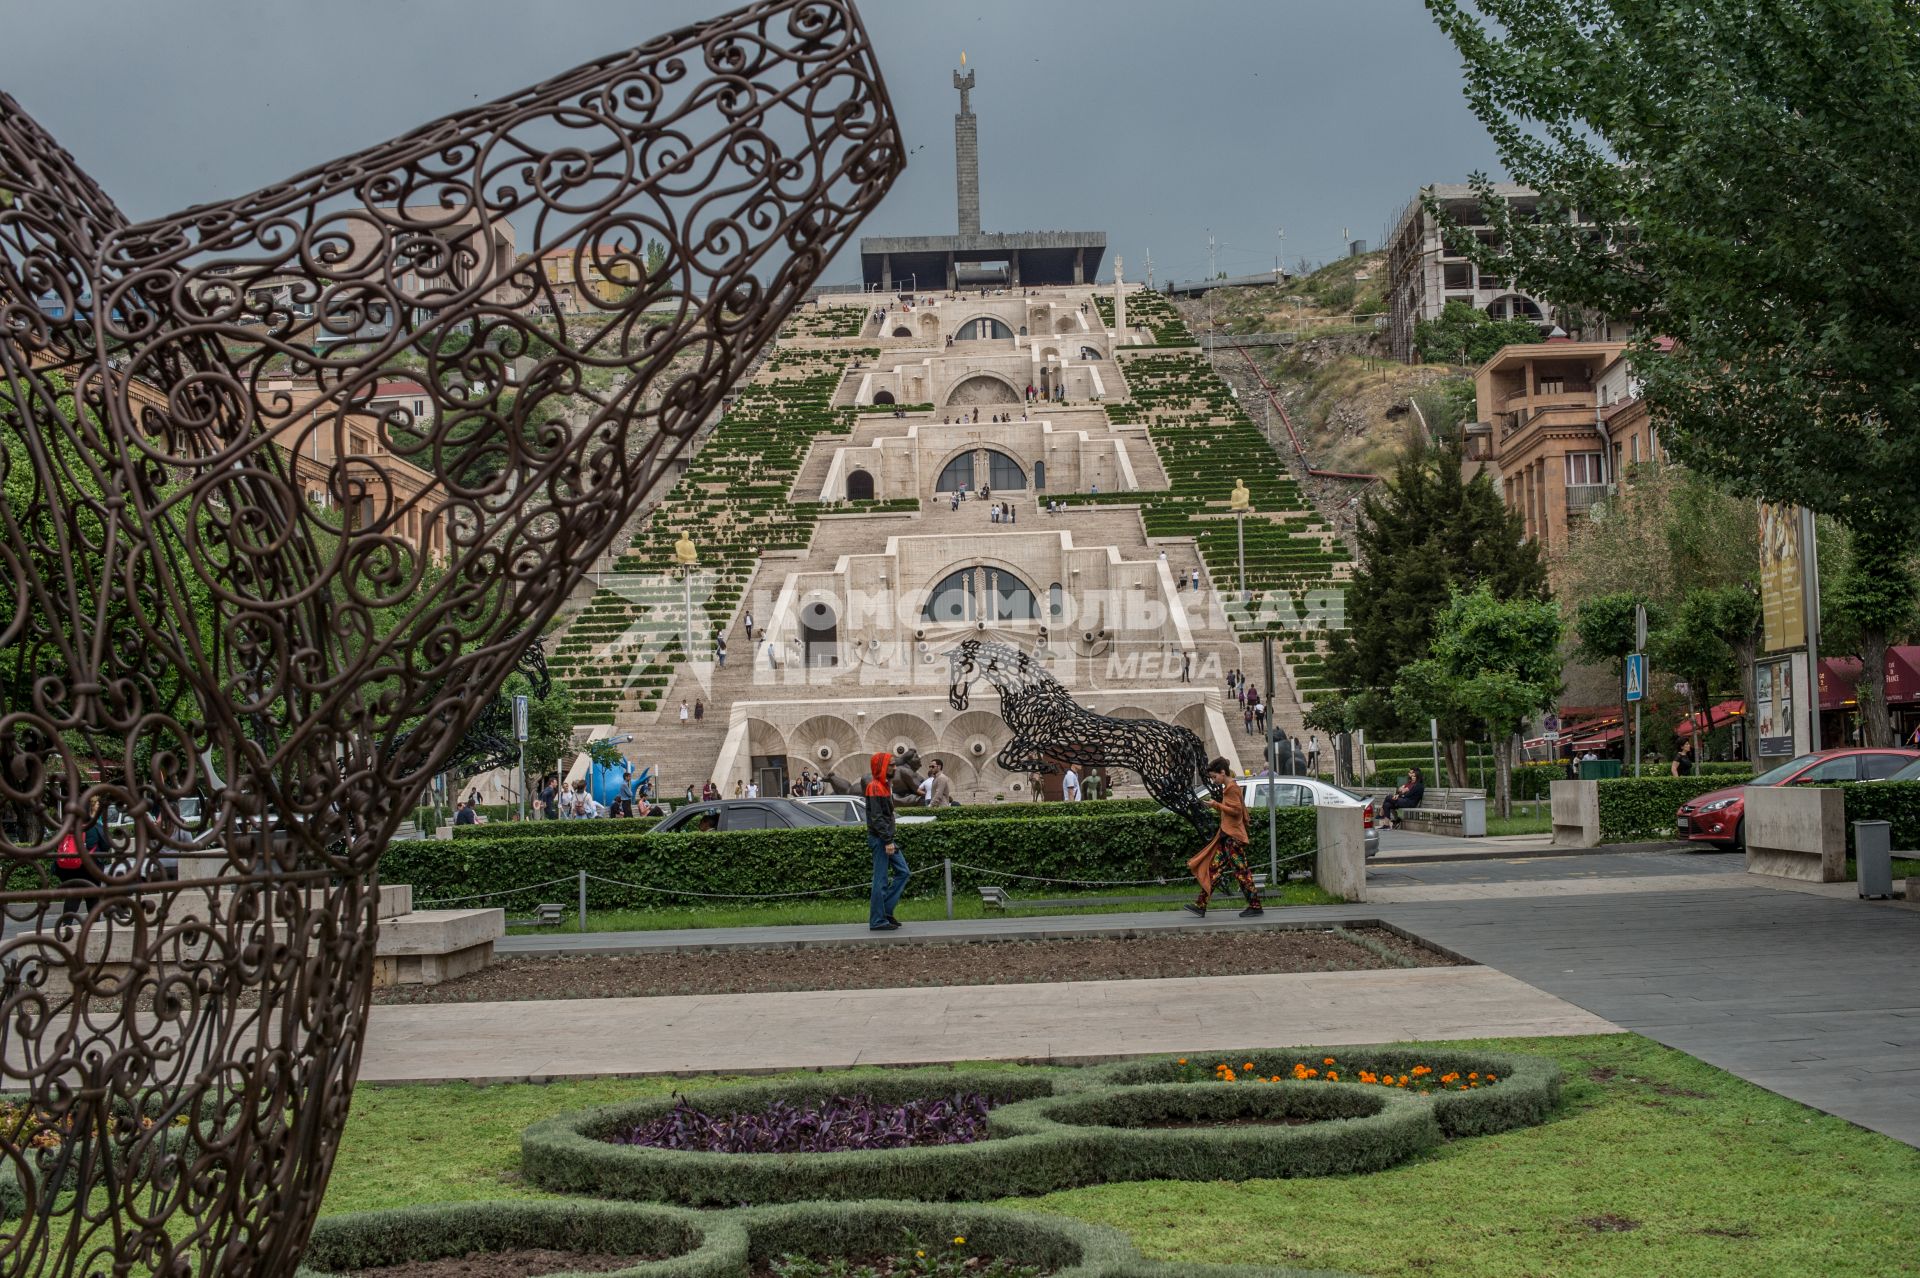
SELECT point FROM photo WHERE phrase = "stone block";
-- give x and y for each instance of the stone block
(1796, 832)
(1576, 814)
(1340, 867)
(427, 947)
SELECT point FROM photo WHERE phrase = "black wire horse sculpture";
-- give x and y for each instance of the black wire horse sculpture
(1048, 725)
(221, 557)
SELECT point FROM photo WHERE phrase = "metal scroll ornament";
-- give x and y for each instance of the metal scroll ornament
(291, 483)
(1049, 728)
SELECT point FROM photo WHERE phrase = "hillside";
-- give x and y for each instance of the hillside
(1325, 355)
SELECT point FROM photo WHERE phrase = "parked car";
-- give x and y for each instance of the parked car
(1719, 816)
(1299, 792)
(1909, 773)
(745, 814)
(851, 809)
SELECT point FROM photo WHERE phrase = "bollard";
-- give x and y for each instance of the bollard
(583, 900)
(1873, 859)
(946, 868)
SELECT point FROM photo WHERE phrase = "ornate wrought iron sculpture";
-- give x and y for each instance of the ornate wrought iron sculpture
(1048, 725)
(231, 573)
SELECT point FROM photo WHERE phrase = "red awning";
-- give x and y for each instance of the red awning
(1718, 717)
(1582, 741)
(1838, 675)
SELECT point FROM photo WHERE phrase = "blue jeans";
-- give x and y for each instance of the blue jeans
(890, 875)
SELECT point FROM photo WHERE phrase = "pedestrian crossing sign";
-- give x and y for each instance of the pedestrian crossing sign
(1636, 675)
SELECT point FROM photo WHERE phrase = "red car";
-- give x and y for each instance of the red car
(1717, 816)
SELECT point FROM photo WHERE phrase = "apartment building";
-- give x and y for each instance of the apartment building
(1560, 424)
(578, 277)
(1424, 274)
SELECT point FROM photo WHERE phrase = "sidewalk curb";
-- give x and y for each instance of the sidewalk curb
(1524, 854)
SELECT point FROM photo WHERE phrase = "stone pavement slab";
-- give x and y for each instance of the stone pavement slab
(1073, 1021)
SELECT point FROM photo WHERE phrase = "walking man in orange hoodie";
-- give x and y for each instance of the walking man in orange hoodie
(1226, 855)
(890, 872)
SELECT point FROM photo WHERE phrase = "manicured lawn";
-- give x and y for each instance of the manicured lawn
(852, 908)
(1657, 1165)
(1521, 822)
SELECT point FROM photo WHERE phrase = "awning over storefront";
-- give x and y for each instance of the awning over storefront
(1718, 717)
(1838, 675)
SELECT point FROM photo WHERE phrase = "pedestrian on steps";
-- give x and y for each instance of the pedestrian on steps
(1226, 854)
(684, 714)
(699, 710)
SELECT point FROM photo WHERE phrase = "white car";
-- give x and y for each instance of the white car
(1300, 792)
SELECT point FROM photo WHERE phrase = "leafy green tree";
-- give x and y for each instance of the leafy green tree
(1463, 334)
(1870, 607)
(1422, 534)
(550, 722)
(1495, 660)
(1604, 628)
(1691, 646)
(1735, 617)
(1745, 171)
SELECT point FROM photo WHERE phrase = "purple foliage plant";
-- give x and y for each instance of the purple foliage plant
(836, 1125)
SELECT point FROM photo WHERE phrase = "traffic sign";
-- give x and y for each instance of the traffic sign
(1636, 675)
(520, 719)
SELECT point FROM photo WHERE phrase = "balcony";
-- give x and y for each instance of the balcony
(1582, 498)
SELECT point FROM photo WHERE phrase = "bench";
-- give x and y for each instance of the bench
(1469, 820)
(994, 897)
(547, 914)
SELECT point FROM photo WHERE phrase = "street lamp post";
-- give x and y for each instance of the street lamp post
(1240, 502)
(687, 555)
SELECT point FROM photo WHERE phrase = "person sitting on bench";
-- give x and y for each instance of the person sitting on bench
(1409, 795)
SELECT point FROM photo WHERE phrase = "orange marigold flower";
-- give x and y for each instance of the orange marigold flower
(1403, 1080)
(1473, 1075)
(1463, 1087)
(1327, 1061)
(1418, 1070)
(1248, 1065)
(1181, 1061)
(1332, 1077)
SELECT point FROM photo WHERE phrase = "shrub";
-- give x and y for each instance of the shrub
(1525, 1095)
(699, 1246)
(1895, 801)
(1633, 808)
(734, 1244)
(1090, 1132)
(837, 1124)
(1122, 846)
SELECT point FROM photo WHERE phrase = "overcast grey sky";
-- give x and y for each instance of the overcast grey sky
(1153, 120)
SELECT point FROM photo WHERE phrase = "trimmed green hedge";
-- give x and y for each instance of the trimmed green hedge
(1895, 801)
(697, 1246)
(1525, 1096)
(1111, 846)
(1028, 1150)
(1633, 809)
(1077, 1127)
(1028, 811)
(731, 1244)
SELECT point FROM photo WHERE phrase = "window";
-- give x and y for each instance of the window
(958, 474)
(753, 817)
(1844, 768)
(1878, 767)
(1553, 386)
(1586, 468)
(1004, 472)
(1633, 447)
(981, 593)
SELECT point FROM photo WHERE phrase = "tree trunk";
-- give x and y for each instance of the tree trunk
(1503, 773)
(1876, 720)
(1749, 739)
(1455, 753)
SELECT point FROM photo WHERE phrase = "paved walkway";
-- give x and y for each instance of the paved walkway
(1074, 1021)
(1801, 988)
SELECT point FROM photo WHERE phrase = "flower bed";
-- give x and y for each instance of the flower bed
(1470, 1093)
(836, 1125)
